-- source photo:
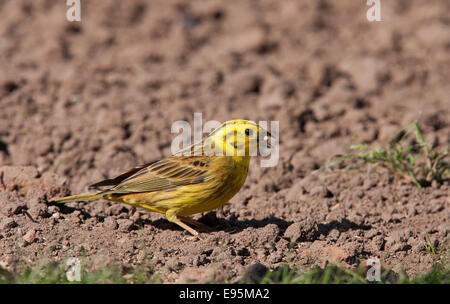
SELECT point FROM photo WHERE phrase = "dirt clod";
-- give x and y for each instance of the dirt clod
(30, 236)
(125, 225)
(7, 224)
(304, 231)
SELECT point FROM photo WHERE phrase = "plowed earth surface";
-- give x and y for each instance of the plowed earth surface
(84, 101)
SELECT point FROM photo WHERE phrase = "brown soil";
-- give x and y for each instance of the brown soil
(85, 101)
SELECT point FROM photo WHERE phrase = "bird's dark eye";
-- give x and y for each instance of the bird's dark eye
(248, 132)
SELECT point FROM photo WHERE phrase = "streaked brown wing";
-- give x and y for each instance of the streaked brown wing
(164, 174)
(118, 179)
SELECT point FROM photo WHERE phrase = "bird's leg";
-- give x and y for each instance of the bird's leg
(195, 223)
(172, 217)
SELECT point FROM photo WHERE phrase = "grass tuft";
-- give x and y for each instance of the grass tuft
(46, 272)
(417, 160)
(429, 246)
(336, 274)
(55, 273)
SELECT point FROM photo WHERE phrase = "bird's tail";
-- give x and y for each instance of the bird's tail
(80, 197)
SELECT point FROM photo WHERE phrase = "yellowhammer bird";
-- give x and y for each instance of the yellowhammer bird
(199, 178)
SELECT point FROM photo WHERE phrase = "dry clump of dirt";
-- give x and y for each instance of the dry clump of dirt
(85, 101)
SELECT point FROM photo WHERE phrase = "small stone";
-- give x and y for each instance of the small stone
(30, 236)
(334, 235)
(76, 220)
(322, 191)
(306, 230)
(52, 209)
(125, 225)
(110, 223)
(339, 254)
(53, 185)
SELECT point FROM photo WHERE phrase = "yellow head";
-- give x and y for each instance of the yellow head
(237, 138)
